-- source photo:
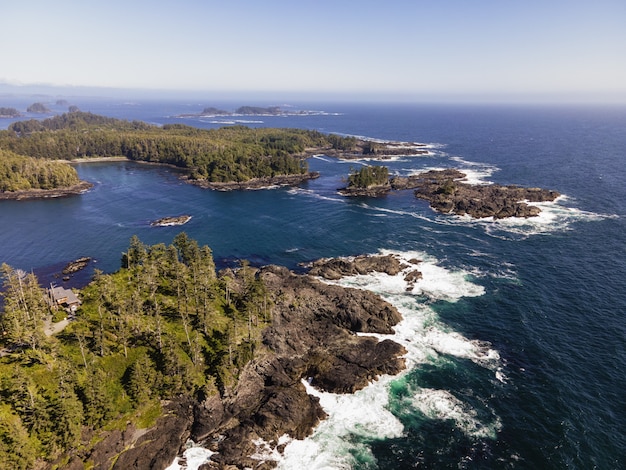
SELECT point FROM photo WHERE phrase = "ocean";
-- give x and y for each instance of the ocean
(515, 335)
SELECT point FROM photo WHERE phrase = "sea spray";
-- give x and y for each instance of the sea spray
(355, 421)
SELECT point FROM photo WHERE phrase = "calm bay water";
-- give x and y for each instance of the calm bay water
(516, 335)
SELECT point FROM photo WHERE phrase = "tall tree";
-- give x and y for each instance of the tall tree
(25, 309)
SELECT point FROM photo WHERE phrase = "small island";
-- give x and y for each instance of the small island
(171, 221)
(448, 193)
(38, 108)
(9, 113)
(212, 111)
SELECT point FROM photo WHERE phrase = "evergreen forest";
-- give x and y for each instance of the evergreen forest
(165, 325)
(228, 154)
(368, 176)
(19, 173)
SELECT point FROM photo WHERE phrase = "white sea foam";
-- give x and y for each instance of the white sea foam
(437, 283)
(332, 445)
(554, 217)
(441, 404)
(193, 457)
(266, 452)
(356, 419)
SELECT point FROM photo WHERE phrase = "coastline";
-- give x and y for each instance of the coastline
(77, 189)
(256, 183)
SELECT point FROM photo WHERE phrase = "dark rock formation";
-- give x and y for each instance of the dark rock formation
(336, 268)
(257, 183)
(447, 193)
(170, 221)
(311, 337)
(378, 150)
(76, 265)
(370, 191)
(158, 447)
(136, 449)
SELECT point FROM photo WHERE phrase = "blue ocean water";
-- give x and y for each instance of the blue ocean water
(517, 332)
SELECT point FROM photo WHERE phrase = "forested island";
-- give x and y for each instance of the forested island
(167, 349)
(9, 113)
(38, 108)
(251, 111)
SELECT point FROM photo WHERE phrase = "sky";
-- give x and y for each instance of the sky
(404, 49)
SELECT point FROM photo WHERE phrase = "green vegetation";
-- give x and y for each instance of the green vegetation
(258, 110)
(228, 154)
(165, 325)
(9, 112)
(368, 176)
(18, 173)
(38, 108)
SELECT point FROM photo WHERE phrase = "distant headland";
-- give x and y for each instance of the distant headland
(212, 111)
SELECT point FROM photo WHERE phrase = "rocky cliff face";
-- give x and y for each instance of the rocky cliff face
(312, 337)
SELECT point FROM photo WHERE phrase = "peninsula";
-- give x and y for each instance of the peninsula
(167, 349)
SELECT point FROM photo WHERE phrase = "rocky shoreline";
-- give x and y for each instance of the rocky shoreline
(312, 337)
(46, 193)
(366, 149)
(447, 193)
(256, 183)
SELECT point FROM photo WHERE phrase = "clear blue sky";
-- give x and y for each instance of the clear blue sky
(402, 48)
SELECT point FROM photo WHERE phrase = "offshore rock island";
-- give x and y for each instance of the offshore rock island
(447, 193)
(171, 221)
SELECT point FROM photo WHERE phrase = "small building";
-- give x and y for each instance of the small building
(64, 298)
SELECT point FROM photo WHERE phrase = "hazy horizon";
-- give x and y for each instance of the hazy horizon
(49, 92)
(402, 51)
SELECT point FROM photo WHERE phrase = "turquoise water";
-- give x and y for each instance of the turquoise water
(517, 333)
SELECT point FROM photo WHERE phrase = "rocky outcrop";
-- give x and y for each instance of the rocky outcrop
(158, 447)
(171, 221)
(47, 193)
(336, 268)
(257, 183)
(377, 150)
(131, 448)
(312, 337)
(370, 191)
(447, 193)
(76, 265)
